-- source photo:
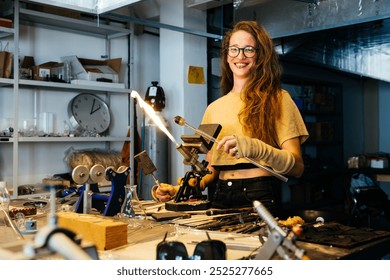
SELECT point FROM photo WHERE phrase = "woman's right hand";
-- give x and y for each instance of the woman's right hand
(164, 192)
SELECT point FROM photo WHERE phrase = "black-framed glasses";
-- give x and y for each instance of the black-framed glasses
(205, 250)
(248, 51)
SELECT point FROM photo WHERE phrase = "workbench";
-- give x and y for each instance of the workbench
(145, 234)
(143, 241)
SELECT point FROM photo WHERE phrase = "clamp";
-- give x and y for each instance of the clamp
(278, 240)
(109, 204)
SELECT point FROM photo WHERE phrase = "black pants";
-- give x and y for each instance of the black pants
(236, 193)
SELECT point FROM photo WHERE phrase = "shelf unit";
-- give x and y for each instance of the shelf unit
(86, 25)
(320, 103)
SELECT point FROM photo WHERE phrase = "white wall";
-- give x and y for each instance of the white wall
(177, 52)
(145, 62)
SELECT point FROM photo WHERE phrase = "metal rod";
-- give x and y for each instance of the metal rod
(181, 121)
(160, 25)
(156, 180)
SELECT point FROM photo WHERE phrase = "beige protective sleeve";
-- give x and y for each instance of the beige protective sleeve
(282, 161)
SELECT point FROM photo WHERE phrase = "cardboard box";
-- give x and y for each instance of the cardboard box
(5, 22)
(379, 163)
(43, 71)
(94, 70)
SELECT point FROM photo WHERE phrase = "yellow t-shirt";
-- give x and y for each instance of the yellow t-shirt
(224, 111)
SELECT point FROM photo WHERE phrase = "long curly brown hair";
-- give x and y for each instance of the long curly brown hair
(260, 94)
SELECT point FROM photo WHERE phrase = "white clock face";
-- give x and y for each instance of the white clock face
(89, 112)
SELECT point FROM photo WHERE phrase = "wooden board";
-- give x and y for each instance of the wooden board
(104, 232)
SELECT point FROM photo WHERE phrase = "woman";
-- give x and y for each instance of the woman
(259, 121)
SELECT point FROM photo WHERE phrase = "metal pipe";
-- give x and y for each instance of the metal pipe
(163, 25)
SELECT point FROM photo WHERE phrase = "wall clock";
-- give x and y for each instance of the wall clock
(89, 112)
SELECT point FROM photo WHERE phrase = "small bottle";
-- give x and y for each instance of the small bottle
(132, 210)
(4, 197)
(132, 207)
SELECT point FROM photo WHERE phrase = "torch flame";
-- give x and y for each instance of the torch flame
(152, 114)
